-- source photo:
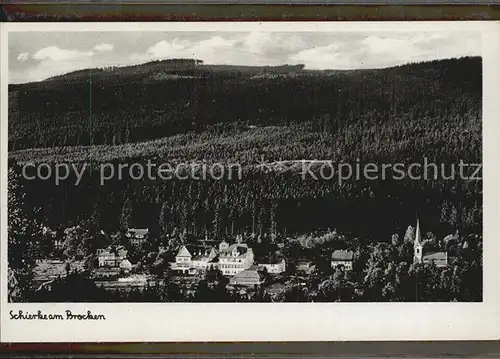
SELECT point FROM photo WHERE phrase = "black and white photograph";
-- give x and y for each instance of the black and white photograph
(245, 166)
(249, 181)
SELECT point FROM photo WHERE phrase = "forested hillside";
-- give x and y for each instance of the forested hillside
(155, 100)
(243, 115)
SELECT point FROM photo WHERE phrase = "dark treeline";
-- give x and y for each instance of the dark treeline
(155, 100)
(278, 204)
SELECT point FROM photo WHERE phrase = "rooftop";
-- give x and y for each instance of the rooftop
(241, 248)
(138, 231)
(251, 274)
(196, 252)
(342, 255)
(183, 252)
(116, 250)
(437, 256)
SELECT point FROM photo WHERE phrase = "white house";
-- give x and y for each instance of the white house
(111, 256)
(274, 265)
(194, 260)
(342, 258)
(234, 258)
(230, 259)
(137, 236)
(182, 261)
(204, 259)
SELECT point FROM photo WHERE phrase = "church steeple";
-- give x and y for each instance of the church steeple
(417, 245)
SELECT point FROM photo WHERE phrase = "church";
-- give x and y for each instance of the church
(439, 258)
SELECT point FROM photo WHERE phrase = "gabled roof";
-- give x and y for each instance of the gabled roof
(436, 256)
(200, 251)
(138, 231)
(113, 250)
(249, 274)
(242, 249)
(304, 263)
(183, 252)
(342, 255)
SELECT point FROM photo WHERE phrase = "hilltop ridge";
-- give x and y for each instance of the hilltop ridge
(157, 99)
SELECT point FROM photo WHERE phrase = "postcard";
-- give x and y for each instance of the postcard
(250, 181)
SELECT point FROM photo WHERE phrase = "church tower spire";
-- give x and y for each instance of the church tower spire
(417, 245)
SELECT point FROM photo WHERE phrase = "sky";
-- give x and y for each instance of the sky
(35, 56)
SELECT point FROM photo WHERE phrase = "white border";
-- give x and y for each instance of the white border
(285, 321)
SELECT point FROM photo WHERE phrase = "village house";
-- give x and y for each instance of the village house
(440, 259)
(111, 257)
(205, 259)
(273, 264)
(342, 259)
(183, 261)
(230, 259)
(249, 277)
(234, 258)
(306, 267)
(137, 236)
(195, 259)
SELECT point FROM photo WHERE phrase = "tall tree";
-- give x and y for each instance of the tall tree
(126, 216)
(22, 232)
